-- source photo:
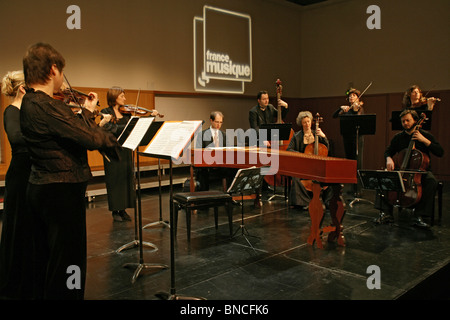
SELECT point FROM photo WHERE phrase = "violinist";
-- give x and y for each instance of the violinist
(15, 282)
(355, 107)
(119, 174)
(414, 99)
(427, 144)
(299, 196)
(58, 141)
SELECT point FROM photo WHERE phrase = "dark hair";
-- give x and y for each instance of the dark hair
(214, 114)
(406, 102)
(412, 112)
(112, 95)
(261, 93)
(38, 62)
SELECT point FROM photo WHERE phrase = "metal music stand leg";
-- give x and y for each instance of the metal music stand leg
(275, 194)
(141, 265)
(160, 221)
(357, 199)
(135, 242)
(244, 231)
(173, 295)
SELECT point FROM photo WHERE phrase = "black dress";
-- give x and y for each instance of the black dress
(119, 177)
(299, 195)
(15, 280)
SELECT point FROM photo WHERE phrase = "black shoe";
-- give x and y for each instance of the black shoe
(419, 223)
(384, 218)
(121, 216)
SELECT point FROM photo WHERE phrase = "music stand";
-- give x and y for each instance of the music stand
(172, 295)
(276, 132)
(396, 123)
(139, 266)
(381, 181)
(358, 125)
(145, 141)
(245, 181)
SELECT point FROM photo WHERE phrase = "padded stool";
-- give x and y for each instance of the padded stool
(199, 200)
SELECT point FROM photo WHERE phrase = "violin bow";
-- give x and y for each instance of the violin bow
(365, 90)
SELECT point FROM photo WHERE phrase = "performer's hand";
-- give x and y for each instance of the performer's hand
(282, 103)
(106, 118)
(419, 137)
(431, 102)
(390, 164)
(266, 143)
(320, 133)
(91, 103)
(345, 108)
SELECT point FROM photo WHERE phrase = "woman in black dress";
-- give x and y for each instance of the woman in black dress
(15, 270)
(299, 196)
(119, 176)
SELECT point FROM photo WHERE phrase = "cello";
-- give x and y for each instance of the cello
(413, 164)
(315, 148)
(283, 144)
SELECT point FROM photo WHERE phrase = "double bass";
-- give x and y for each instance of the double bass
(315, 148)
(283, 144)
(413, 164)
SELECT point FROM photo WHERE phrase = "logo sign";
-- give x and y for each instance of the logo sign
(222, 51)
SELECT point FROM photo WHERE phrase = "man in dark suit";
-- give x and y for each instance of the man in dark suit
(210, 138)
(265, 113)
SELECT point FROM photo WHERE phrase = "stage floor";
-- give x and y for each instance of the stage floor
(409, 263)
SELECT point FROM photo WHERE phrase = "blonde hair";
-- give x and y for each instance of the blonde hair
(11, 83)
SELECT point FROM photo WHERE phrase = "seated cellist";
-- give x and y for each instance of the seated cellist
(426, 143)
(300, 196)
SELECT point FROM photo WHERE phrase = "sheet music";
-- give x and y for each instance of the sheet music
(172, 137)
(137, 132)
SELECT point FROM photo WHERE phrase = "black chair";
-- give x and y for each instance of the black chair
(201, 200)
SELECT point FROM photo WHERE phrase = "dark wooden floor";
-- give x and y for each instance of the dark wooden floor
(413, 263)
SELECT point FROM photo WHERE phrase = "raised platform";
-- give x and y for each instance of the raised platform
(412, 263)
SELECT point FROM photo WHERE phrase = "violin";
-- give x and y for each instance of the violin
(73, 97)
(137, 111)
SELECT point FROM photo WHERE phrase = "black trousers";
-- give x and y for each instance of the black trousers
(424, 207)
(59, 240)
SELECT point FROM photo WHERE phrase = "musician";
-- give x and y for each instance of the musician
(15, 280)
(427, 144)
(299, 195)
(58, 141)
(265, 113)
(355, 107)
(118, 174)
(210, 138)
(414, 99)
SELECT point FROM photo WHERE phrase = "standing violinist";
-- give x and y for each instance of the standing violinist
(58, 141)
(426, 143)
(355, 107)
(414, 99)
(119, 177)
(15, 280)
(299, 195)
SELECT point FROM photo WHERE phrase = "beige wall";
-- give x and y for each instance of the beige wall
(412, 47)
